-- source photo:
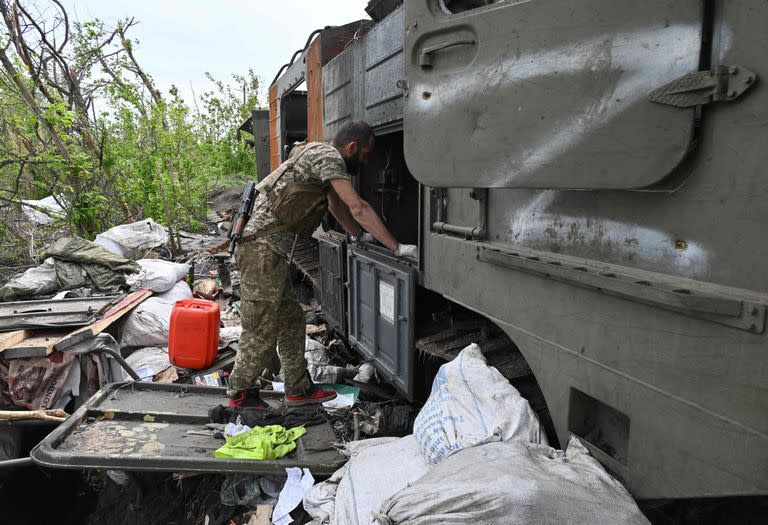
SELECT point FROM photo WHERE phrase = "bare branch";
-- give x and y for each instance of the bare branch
(122, 28)
(33, 106)
(66, 26)
(23, 50)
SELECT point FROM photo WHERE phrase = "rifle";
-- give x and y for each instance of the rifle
(242, 216)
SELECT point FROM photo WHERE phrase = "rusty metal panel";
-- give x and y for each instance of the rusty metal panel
(337, 39)
(314, 66)
(532, 94)
(274, 145)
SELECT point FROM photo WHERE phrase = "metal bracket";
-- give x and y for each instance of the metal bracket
(723, 305)
(403, 84)
(425, 59)
(724, 84)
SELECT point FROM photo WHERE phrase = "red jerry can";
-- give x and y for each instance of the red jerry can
(193, 341)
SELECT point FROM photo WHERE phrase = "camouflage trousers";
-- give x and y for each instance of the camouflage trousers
(271, 315)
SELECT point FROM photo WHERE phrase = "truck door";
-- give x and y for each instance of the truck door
(380, 322)
(546, 93)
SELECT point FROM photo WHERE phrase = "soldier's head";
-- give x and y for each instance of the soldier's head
(355, 141)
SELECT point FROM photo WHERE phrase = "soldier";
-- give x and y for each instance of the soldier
(271, 314)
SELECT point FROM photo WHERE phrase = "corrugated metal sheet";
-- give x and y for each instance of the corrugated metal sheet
(382, 99)
(361, 82)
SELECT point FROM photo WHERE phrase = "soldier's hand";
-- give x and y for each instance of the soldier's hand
(409, 251)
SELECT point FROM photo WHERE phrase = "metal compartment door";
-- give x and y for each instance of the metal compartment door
(547, 94)
(332, 295)
(381, 324)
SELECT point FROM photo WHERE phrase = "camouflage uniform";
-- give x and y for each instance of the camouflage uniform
(270, 312)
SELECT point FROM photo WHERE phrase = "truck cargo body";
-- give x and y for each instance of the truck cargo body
(556, 187)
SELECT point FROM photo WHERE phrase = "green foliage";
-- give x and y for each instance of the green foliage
(145, 154)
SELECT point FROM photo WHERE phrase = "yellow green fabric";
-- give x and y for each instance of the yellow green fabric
(270, 442)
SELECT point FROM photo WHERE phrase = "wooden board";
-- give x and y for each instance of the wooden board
(95, 328)
(11, 339)
(36, 345)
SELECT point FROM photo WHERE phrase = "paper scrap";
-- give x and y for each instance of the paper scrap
(296, 486)
(341, 401)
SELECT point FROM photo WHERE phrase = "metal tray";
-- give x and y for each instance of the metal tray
(160, 427)
(52, 313)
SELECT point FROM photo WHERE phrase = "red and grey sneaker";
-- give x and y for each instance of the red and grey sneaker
(248, 398)
(313, 394)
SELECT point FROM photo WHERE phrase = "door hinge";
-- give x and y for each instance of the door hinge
(724, 84)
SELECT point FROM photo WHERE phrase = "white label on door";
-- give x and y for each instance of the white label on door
(387, 301)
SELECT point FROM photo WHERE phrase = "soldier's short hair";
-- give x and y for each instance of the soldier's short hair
(353, 130)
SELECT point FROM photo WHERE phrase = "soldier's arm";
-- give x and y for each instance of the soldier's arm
(362, 212)
(341, 212)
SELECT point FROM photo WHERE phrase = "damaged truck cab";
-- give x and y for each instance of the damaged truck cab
(587, 188)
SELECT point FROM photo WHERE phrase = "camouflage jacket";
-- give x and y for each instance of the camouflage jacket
(320, 164)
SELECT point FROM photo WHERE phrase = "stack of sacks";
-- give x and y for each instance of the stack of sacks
(478, 455)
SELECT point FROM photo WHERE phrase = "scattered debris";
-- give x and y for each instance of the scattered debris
(169, 375)
(477, 456)
(45, 415)
(148, 362)
(207, 289)
(296, 486)
(316, 331)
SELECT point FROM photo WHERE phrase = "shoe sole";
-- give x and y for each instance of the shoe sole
(303, 402)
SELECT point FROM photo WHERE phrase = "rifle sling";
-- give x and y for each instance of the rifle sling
(264, 233)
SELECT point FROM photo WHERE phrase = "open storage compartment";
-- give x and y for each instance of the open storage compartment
(380, 288)
(387, 185)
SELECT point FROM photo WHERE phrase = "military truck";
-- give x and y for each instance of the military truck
(587, 184)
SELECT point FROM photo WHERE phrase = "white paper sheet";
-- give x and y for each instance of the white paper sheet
(296, 486)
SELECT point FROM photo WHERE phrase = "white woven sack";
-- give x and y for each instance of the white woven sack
(472, 403)
(374, 472)
(149, 323)
(514, 483)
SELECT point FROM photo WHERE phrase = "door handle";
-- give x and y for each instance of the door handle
(425, 59)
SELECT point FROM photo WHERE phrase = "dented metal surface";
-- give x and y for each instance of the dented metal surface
(689, 383)
(539, 95)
